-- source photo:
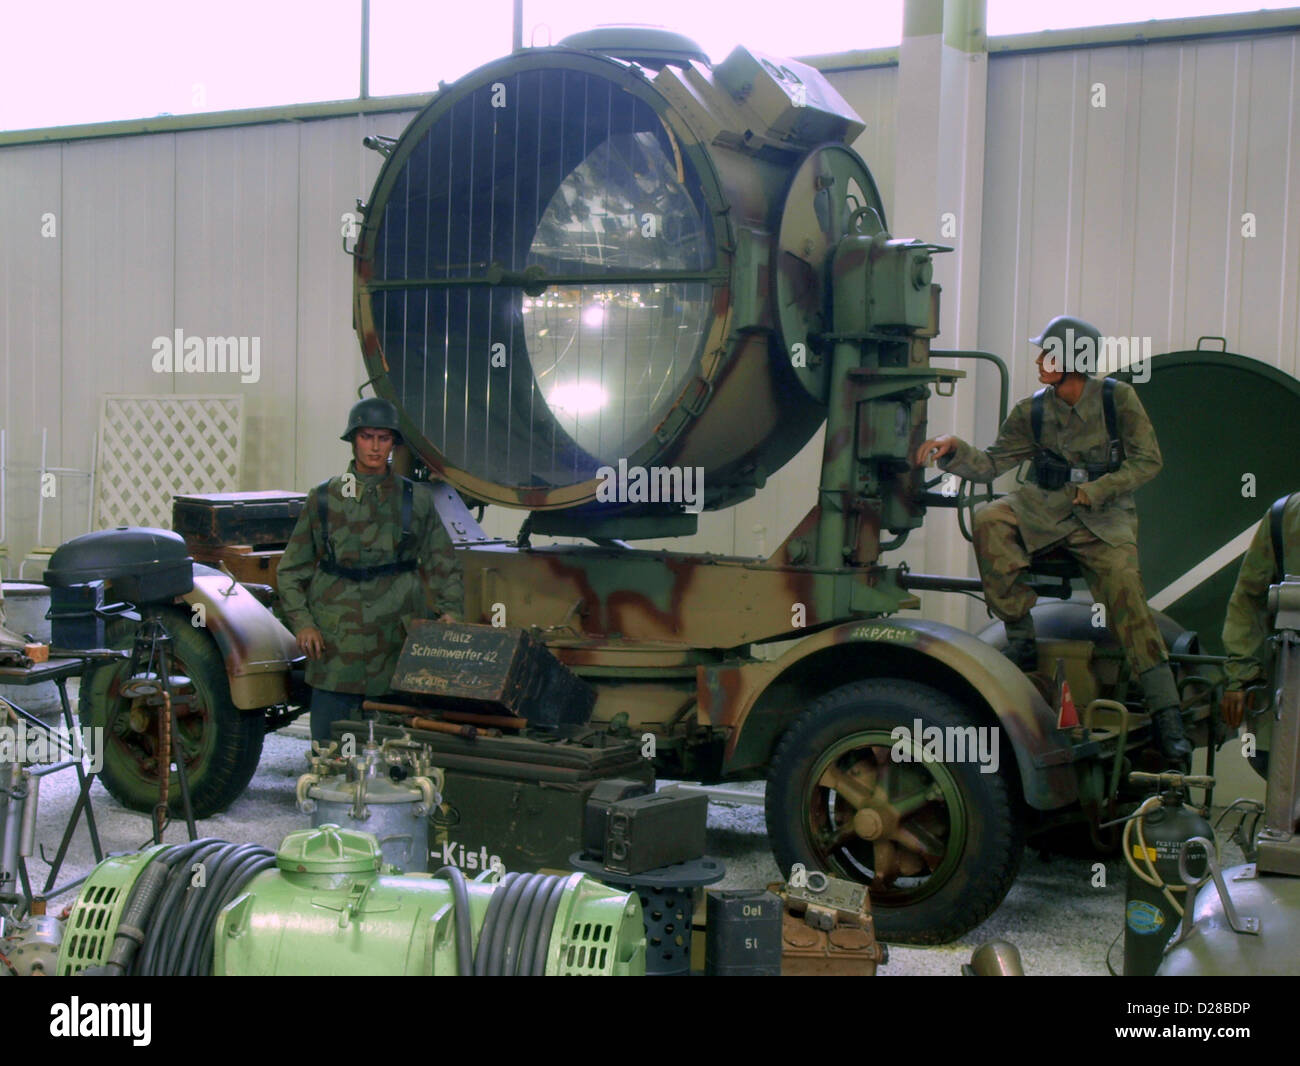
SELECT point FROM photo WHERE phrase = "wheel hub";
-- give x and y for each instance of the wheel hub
(883, 821)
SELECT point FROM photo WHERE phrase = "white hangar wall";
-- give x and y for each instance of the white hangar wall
(1129, 215)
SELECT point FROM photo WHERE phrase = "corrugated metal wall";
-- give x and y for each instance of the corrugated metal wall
(1129, 215)
(224, 232)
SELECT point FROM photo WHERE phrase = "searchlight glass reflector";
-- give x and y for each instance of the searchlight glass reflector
(560, 177)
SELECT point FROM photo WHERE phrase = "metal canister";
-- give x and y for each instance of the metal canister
(382, 791)
(1150, 917)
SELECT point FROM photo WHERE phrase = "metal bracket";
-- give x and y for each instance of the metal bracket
(1243, 924)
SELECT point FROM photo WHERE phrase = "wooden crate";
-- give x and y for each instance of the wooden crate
(506, 671)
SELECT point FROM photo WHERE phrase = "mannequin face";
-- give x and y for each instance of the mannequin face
(371, 449)
(1046, 374)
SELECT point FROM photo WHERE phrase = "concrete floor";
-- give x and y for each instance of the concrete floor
(1053, 914)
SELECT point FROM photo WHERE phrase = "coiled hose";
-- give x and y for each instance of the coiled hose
(167, 923)
(516, 933)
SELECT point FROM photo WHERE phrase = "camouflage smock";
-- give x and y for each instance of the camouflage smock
(1078, 434)
(1247, 624)
(362, 621)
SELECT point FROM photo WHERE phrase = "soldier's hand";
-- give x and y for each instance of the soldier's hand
(1081, 497)
(311, 642)
(1234, 707)
(445, 618)
(935, 449)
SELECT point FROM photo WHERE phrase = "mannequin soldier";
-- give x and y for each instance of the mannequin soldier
(367, 554)
(1092, 445)
(1246, 625)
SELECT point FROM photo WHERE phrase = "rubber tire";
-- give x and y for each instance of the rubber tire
(228, 760)
(995, 835)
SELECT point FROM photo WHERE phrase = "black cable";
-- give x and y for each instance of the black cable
(497, 934)
(489, 922)
(532, 928)
(238, 865)
(548, 921)
(464, 929)
(146, 960)
(515, 932)
(178, 938)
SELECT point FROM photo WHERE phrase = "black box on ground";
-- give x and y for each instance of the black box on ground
(596, 821)
(646, 832)
(743, 933)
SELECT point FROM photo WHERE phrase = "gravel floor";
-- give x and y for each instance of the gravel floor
(1061, 923)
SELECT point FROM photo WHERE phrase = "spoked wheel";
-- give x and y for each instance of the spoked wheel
(938, 843)
(220, 743)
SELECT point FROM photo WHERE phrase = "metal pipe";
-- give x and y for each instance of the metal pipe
(365, 49)
(1004, 375)
(939, 582)
(27, 829)
(517, 27)
(10, 831)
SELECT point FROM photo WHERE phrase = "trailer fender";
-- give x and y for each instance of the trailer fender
(753, 701)
(256, 648)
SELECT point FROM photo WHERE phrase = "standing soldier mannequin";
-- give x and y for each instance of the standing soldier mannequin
(1246, 625)
(1092, 445)
(368, 553)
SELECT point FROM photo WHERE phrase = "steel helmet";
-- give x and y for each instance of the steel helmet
(372, 413)
(1068, 331)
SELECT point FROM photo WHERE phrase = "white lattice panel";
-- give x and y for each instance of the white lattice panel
(151, 447)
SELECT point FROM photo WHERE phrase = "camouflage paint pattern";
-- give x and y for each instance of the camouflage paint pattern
(1247, 624)
(255, 647)
(362, 621)
(752, 703)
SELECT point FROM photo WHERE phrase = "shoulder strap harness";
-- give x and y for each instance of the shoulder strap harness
(403, 563)
(1275, 531)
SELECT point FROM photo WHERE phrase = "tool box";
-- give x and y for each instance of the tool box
(254, 519)
(491, 669)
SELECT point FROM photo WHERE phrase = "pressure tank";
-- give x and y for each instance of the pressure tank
(611, 252)
(387, 790)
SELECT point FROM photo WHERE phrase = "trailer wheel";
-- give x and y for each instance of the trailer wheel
(222, 744)
(938, 843)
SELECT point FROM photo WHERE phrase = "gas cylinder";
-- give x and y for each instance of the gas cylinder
(1152, 842)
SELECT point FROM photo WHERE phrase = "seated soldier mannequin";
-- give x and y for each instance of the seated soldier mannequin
(1091, 444)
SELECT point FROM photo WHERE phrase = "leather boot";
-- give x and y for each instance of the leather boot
(1162, 701)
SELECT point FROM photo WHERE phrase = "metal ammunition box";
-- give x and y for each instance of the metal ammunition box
(486, 668)
(743, 934)
(646, 832)
(517, 800)
(596, 819)
(250, 518)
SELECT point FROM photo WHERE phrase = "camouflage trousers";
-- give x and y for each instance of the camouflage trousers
(1111, 572)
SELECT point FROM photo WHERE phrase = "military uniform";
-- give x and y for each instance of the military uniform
(1247, 625)
(362, 621)
(1102, 537)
